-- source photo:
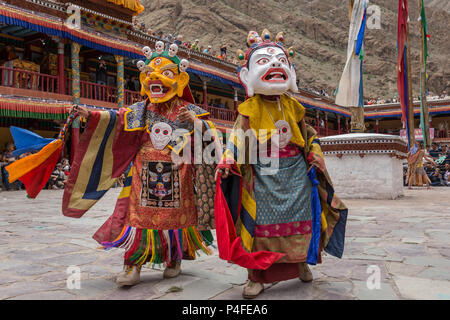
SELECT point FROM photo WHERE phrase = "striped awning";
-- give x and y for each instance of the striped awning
(19, 107)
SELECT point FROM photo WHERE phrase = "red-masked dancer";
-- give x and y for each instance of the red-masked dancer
(276, 211)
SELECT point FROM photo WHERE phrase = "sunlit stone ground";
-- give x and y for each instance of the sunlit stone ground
(406, 240)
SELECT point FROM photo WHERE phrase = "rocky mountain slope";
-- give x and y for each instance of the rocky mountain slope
(318, 29)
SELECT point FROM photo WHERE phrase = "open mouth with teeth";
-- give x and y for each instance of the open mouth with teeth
(275, 75)
(157, 89)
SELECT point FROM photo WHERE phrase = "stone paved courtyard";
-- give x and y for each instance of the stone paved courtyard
(407, 240)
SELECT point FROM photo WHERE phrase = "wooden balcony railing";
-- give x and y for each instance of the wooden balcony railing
(97, 91)
(220, 113)
(131, 97)
(23, 79)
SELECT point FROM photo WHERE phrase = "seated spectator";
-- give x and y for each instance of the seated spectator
(195, 46)
(446, 175)
(150, 32)
(429, 169)
(169, 38)
(58, 178)
(65, 166)
(207, 50)
(160, 35)
(434, 152)
(444, 149)
(436, 178)
(179, 40)
(8, 158)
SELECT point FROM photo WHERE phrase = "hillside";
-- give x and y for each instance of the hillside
(318, 29)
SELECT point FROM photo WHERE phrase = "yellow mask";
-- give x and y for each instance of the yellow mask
(161, 80)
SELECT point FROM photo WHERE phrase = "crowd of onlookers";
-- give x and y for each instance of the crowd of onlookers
(194, 45)
(439, 174)
(430, 97)
(7, 157)
(439, 171)
(57, 179)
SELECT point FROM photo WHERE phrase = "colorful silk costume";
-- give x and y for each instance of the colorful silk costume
(269, 223)
(159, 217)
(155, 218)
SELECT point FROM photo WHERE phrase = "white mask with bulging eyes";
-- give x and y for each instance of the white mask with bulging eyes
(268, 73)
(161, 135)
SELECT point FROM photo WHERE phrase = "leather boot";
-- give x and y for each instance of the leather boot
(252, 289)
(173, 271)
(305, 273)
(130, 276)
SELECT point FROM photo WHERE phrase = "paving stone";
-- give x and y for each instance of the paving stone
(141, 291)
(163, 285)
(397, 268)
(428, 261)
(58, 276)
(289, 290)
(375, 251)
(46, 295)
(362, 292)
(422, 289)
(191, 291)
(91, 288)
(339, 287)
(86, 244)
(373, 258)
(439, 234)
(237, 277)
(435, 273)
(17, 289)
(30, 270)
(9, 264)
(405, 250)
(413, 240)
(361, 218)
(71, 260)
(445, 252)
(362, 239)
(234, 293)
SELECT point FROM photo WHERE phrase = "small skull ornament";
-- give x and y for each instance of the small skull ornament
(141, 65)
(173, 49)
(147, 52)
(159, 47)
(184, 65)
(284, 132)
(161, 135)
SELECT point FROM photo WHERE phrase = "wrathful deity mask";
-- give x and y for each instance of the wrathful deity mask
(163, 76)
(267, 67)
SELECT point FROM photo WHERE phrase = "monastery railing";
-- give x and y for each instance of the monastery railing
(220, 113)
(23, 79)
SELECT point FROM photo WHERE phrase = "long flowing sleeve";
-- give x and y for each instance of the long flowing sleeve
(104, 152)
